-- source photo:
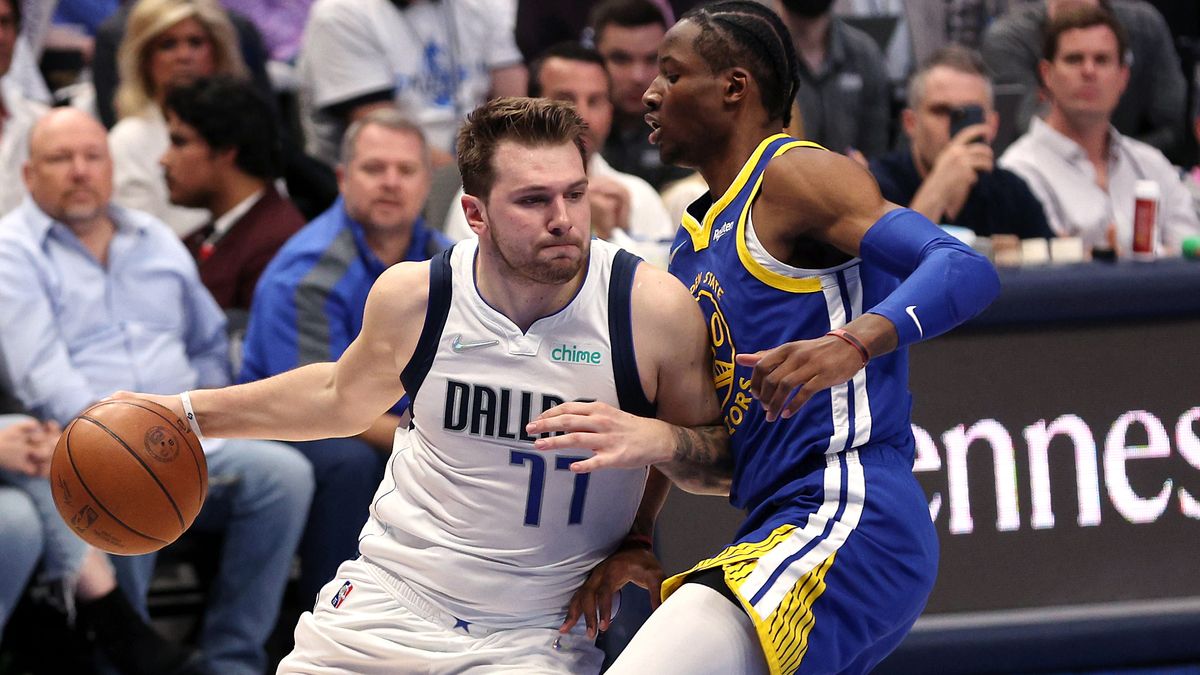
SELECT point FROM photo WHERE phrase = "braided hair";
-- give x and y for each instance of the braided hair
(745, 33)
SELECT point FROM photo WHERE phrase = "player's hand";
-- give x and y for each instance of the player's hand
(797, 370)
(172, 403)
(593, 600)
(618, 439)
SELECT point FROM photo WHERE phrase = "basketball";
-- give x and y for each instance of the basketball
(128, 476)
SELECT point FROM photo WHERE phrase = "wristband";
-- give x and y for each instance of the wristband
(639, 540)
(190, 414)
(849, 339)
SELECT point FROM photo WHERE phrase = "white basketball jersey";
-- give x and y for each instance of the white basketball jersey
(469, 514)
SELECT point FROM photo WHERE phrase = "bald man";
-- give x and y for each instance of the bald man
(96, 298)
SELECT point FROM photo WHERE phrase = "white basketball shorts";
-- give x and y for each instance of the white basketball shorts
(366, 621)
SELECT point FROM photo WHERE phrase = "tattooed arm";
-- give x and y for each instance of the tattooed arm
(702, 463)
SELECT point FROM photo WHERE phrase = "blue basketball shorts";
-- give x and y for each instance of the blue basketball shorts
(838, 571)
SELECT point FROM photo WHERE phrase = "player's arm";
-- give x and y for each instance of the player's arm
(633, 562)
(686, 442)
(944, 282)
(326, 400)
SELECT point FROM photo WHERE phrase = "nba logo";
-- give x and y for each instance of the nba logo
(340, 597)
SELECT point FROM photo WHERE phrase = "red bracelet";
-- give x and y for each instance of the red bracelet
(641, 540)
(849, 339)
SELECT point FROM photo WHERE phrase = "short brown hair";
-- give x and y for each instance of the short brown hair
(956, 57)
(531, 122)
(1078, 17)
(388, 117)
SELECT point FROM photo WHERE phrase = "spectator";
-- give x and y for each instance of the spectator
(1078, 165)
(111, 34)
(17, 112)
(20, 533)
(541, 24)
(952, 178)
(24, 74)
(311, 183)
(844, 96)
(625, 209)
(627, 34)
(896, 46)
(21, 536)
(1193, 175)
(1152, 108)
(926, 27)
(309, 305)
(224, 156)
(86, 14)
(435, 61)
(74, 575)
(95, 298)
(167, 43)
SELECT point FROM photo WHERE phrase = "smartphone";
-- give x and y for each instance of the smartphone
(961, 118)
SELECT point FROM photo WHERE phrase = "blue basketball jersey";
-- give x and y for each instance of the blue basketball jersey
(753, 302)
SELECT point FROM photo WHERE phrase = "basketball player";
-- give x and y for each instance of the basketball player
(793, 244)
(475, 541)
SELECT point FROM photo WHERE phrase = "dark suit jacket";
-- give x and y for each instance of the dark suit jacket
(240, 256)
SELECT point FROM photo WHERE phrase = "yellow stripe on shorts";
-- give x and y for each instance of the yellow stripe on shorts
(784, 633)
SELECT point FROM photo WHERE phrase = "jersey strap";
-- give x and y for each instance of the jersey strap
(630, 394)
(436, 310)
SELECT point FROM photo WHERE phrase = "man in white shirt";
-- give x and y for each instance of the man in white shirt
(433, 59)
(626, 210)
(1080, 167)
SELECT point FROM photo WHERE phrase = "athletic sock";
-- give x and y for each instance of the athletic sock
(129, 642)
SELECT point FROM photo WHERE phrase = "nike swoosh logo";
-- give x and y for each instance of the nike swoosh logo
(459, 346)
(912, 312)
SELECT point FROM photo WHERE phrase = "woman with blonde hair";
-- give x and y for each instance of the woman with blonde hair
(166, 43)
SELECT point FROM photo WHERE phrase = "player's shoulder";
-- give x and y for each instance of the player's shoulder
(404, 284)
(403, 287)
(660, 299)
(811, 177)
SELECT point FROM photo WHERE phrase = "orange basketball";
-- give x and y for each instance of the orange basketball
(128, 476)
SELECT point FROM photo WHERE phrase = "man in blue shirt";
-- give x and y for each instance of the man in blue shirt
(96, 298)
(308, 308)
(947, 174)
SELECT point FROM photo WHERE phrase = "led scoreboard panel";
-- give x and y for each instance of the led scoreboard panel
(1058, 444)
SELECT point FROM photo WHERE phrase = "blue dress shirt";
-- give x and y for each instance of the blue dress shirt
(74, 331)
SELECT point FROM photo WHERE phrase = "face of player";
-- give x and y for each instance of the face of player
(631, 56)
(387, 179)
(928, 124)
(69, 172)
(179, 55)
(585, 86)
(190, 166)
(8, 34)
(1087, 76)
(537, 220)
(684, 100)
